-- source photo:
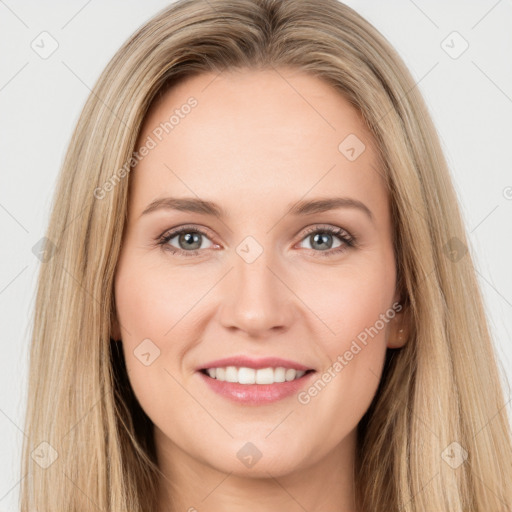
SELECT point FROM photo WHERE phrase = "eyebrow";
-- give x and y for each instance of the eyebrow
(300, 208)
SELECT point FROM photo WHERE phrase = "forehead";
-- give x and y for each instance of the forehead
(270, 136)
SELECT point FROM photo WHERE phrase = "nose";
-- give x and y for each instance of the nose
(256, 298)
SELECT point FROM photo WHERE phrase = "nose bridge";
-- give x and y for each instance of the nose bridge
(256, 298)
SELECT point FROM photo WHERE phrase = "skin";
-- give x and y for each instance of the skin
(254, 145)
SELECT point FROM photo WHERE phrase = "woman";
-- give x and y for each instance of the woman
(191, 353)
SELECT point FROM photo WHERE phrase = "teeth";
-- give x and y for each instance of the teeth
(231, 374)
(245, 375)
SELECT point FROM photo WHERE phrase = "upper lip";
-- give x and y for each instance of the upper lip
(248, 362)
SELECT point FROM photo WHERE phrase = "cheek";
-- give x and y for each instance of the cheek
(349, 300)
(152, 312)
(355, 306)
(150, 301)
(147, 308)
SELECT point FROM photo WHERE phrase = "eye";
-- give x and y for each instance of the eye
(186, 236)
(189, 240)
(321, 243)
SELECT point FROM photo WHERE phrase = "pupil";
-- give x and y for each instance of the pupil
(191, 239)
(323, 238)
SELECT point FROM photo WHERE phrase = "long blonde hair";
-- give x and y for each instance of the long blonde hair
(440, 397)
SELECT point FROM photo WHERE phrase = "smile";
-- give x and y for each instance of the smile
(252, 387)
(244, 375)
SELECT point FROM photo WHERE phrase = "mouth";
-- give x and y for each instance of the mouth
(248, 376)
(255, 386)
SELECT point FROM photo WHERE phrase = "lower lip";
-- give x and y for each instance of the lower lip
(256, 394)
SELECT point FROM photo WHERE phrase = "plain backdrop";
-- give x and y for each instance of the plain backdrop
(458, 52)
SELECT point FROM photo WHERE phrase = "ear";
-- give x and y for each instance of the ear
(400, 330)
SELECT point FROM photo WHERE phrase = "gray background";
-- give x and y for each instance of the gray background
(469, 97)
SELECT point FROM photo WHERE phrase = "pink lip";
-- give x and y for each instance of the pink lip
(265, 362)
(255, 394)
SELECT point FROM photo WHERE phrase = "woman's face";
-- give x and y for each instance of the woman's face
(256, 280)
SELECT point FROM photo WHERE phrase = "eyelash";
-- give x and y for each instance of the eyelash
(348, 240)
